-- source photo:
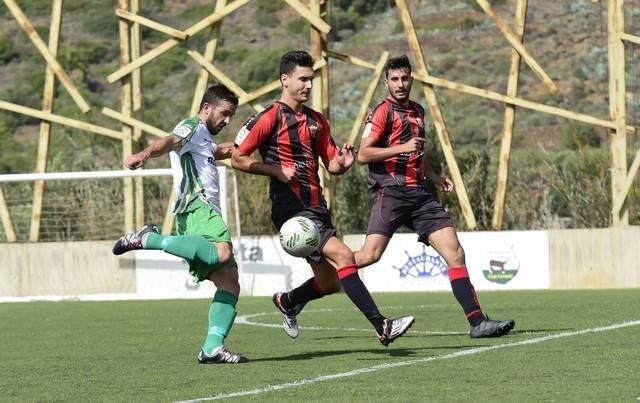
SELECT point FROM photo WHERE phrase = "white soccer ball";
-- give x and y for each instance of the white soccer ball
(299, 236)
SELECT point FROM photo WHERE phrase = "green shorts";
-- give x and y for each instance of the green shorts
(205, 221)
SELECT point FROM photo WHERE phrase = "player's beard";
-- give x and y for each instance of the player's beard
(212, 129)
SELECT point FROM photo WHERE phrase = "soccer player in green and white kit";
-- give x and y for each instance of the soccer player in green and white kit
(203, 238)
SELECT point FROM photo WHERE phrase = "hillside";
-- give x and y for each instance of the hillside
(460, 43)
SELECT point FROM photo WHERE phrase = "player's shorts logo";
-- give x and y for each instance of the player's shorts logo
(422, 265)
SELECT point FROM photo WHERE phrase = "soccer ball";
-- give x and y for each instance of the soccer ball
(299, 236)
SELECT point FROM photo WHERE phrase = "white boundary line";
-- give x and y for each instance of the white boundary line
(375, 368)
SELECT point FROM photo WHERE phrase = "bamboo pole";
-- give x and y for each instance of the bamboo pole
(209, 55)
(273, 85)
(135, 18)
(171, 43)
(552, 110)
(626, 186)
(350, 59)
(630, 38)
(517, 45)
(223, 78)
(368, 97)
(136, 93)
(312, 17)
(438, 119)
(509, 119)
(126, 109)
(76, 124)
(135, 123)
(31, 32)
(6, 219)
(45, 127)
(617, 108)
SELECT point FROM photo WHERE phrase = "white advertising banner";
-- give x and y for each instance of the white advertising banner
(264, 269)
(507, 260)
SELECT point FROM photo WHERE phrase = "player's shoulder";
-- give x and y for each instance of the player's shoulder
(186, 127)
(379, 111)
(416, 106)
(267, 114)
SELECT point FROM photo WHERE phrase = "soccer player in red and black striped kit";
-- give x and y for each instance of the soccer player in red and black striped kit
(393, 146)
(291, 138)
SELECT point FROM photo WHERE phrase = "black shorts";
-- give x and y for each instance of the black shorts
(416, 208)
(319, 215)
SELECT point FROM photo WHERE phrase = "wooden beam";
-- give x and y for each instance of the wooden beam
(45, 127)
(313, 18)
(136, 104)
(626, 186)
(209, 55)
(350, 59)
(171, 43)
(466, 89)
(130, 121)
(368, 97)
(509, 119)
(630, 38)
(517, 45)
(617, 110)
(223, 78)
(132, 17)
(31, 32)
(274, 85)
(436, 114)
(50, 117)
(10, 233)
(126, 109)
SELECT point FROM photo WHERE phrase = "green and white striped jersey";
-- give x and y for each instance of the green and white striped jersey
(195, 174)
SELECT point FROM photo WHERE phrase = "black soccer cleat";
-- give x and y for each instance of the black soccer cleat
(133, 240)
(394, 328)
(492, 328)
(220, 355)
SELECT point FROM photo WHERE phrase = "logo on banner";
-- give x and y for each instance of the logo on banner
(422, 265)
(503, 266)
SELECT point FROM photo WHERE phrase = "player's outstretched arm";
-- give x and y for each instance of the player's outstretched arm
(342, 161)
(156, 149)
(245, 163)
(224, 151)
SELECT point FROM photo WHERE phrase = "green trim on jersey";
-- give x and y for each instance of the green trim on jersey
(191, 185)
(186, 129)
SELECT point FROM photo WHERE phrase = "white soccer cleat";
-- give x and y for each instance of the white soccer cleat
(289, 319)
(394, 328)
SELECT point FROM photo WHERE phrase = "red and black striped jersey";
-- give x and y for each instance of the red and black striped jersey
(290, 140)
(390, 124)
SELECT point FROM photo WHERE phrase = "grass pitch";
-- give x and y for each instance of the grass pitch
(567, 346)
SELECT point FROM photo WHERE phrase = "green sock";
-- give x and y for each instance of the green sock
(191, 247)
(221, 315)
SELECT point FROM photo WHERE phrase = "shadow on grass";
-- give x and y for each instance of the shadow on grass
(390, 352)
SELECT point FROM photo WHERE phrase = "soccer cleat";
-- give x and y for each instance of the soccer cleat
(492, 328)
(289, 319)
(221, 355)
(394, 328)
(133, 240)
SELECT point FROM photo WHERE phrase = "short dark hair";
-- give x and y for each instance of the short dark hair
(395, 63)
(217, 93)
(291, 60)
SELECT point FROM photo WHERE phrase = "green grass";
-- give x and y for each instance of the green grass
(145, 351)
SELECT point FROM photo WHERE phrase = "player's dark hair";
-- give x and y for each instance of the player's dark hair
(291, 60)
(395, 63)
(217, 93)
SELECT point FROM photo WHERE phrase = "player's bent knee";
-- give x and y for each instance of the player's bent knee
(224, 252)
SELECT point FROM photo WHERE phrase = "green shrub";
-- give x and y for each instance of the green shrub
(578, 135)
(259, 68)
(7, 51)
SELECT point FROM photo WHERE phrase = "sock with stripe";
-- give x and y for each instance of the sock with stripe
(465, 294)
(222, 313)
(359, 295)
(191, 247)
(307, 291)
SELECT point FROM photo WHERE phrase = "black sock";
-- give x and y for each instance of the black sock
(359, 295)
(307, 291)
(465, 294)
